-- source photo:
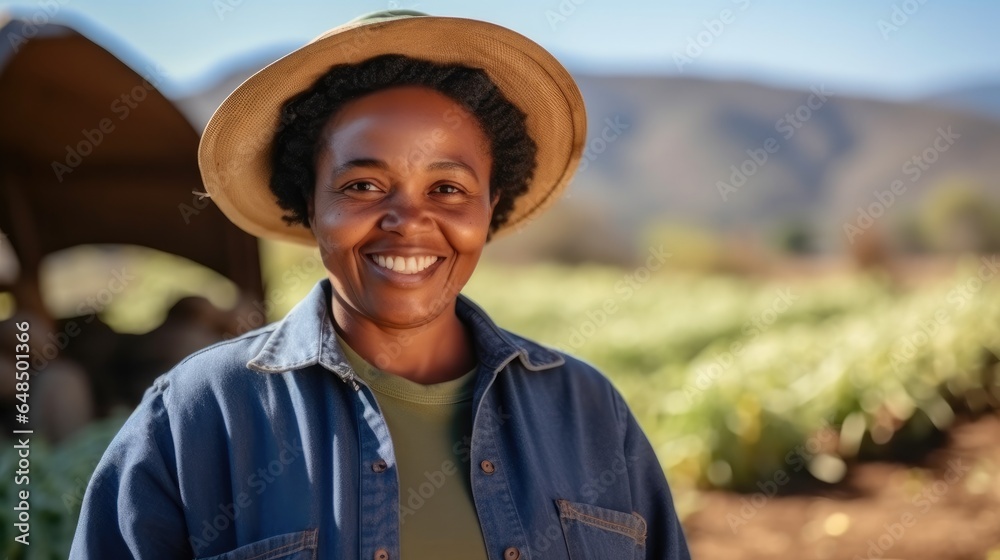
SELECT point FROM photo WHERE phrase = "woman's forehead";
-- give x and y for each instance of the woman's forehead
(410, 121)
(405, 102)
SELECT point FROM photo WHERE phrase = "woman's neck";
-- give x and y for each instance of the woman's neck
(437, 351)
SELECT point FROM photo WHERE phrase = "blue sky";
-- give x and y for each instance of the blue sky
(929, 46)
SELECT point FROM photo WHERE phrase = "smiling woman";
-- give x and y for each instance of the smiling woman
(377, 211)
(387, 416)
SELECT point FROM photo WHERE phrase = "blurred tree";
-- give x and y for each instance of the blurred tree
(869, 251)
(958, 216)
(572, 232)
(697, 249)
(909, 234)
(796, 237)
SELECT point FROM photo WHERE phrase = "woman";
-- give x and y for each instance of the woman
(386, 416)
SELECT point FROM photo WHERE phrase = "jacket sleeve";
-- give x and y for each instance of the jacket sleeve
(132, 506)
(651, 496)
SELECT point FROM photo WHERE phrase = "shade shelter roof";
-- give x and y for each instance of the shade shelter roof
(92, 153)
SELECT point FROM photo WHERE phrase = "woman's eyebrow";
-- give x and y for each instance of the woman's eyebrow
(450, 165)
(441, 165)
(361, 162)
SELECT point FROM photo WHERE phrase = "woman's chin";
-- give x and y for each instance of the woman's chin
(402, 313)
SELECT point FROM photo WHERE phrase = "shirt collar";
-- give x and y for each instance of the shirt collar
(306, 337)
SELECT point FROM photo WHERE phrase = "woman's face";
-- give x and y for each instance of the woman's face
(402, 205)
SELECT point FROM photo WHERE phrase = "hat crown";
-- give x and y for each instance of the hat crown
(371, 19)
(386, 14)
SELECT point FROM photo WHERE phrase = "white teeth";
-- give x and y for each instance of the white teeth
(404, 265)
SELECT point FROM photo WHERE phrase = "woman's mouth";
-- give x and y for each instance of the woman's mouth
(404, 265)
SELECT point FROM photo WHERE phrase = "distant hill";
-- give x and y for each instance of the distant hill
(670, 143)
(687, 134)
(983, 99)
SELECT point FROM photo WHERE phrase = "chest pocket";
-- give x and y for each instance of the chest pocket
(597, 533)
(290, 546)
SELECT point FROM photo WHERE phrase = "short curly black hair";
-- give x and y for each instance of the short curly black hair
(304, 115)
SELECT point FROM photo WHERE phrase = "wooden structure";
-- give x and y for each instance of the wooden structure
(92, 153)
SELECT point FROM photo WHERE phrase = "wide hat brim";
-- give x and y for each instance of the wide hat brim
(235, 150)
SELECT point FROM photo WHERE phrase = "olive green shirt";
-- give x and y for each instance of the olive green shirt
(430, 426)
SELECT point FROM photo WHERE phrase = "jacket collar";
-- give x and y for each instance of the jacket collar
(306, 337)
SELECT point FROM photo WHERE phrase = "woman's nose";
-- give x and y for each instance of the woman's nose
(405, 214)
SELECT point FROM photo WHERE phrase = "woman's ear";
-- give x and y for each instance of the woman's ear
(493, 203)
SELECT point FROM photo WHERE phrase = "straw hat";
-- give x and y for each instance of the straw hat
(235, 150)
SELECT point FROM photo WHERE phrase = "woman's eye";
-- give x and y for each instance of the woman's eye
(448, 189)
(363, 186)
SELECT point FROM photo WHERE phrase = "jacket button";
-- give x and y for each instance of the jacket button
(512, 553)
(381, 554)
(488, 468)
(379, 466)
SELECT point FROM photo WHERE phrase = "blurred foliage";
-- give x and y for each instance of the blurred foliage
(690, 248)
(572, 232)
(957, 216)
(735, 379)
(795, 237)
(58, 480)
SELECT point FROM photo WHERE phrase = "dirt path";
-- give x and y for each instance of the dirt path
(948, 507)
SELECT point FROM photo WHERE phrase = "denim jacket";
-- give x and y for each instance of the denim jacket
(267, 446)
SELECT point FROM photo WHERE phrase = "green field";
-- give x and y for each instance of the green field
(734, 379)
